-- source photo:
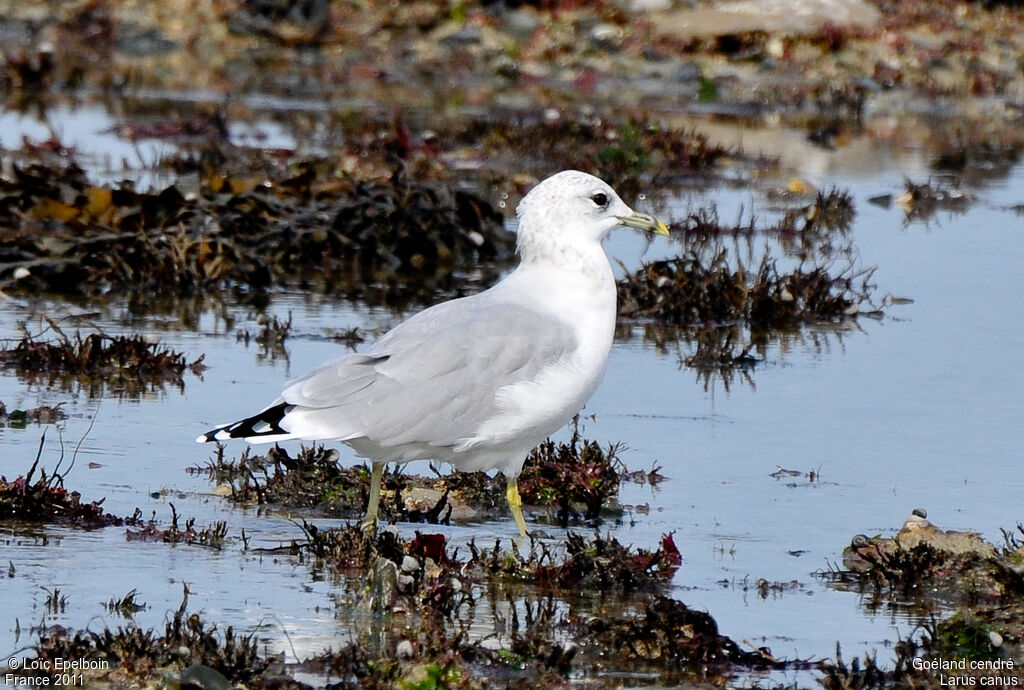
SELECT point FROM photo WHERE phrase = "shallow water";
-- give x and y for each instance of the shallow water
(921, 408)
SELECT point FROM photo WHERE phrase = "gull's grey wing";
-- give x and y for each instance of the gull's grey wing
(431, 380)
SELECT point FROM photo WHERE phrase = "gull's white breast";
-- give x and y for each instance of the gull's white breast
(530, 411)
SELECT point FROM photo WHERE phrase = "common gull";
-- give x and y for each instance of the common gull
(478, 381)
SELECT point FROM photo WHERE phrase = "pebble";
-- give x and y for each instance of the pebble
(404, 650)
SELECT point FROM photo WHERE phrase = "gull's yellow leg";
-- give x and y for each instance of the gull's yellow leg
(369, 522)
(516, 504)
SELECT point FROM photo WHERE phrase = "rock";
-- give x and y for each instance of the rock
(606, 36)
(410, 565)
(380, 589)
(423, 499)
(648, 5)
(771, 16)
(404, 650)
(199, 677)
(521, 23)
(466, 36)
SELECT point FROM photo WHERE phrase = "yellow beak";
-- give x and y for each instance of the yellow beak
(642, 221)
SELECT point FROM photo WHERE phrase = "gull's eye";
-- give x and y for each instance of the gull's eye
(601, 199)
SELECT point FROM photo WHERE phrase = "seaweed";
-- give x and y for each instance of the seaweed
(44, 499)
(602, 564)
(691, 290)
(397, 238)
(669, 634)
(211, 537)
(936, 571)
(140, 654)
(568, 474)
(128, 364)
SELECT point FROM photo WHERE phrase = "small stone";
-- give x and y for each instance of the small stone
(410, 565)
(606, 35)
(504, 66)
(205, 678)
(404, 650)
(467, 36)
(687, 73)
(917, 522)
(431, 571)
(650, 5)
(522, 23)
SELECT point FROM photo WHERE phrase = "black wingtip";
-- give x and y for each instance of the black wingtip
(208, 436)
(265, 423)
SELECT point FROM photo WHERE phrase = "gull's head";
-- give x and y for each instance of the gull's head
(576, 207)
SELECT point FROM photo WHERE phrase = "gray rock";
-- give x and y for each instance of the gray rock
(381, 587)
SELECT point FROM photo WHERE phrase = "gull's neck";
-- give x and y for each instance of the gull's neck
(572, 281)
(587, 259)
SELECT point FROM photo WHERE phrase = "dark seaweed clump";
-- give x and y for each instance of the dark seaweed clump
(315, 480)
(708, 287)
(212, 536)
(439, 593)
(671, 634)
(44, 499)
(187, 642)
(569, 474)
(312, 478)
(597, 564)
(690, 291)
(129, 364)
(600, 564)
(302, 226)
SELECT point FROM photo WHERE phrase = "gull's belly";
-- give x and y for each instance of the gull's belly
(533, 410)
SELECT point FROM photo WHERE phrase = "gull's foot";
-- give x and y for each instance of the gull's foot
(538, 533)
(526, 541)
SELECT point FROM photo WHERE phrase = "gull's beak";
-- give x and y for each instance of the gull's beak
(642, 221)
